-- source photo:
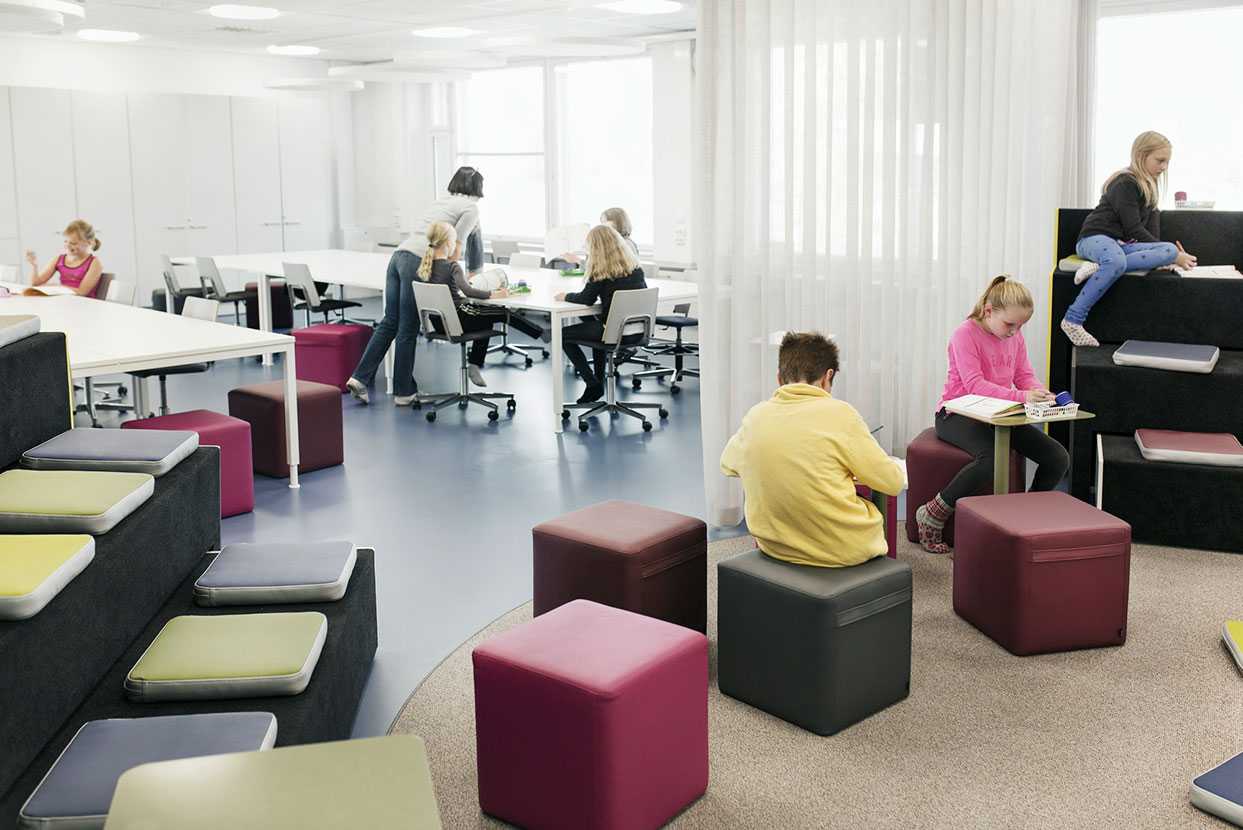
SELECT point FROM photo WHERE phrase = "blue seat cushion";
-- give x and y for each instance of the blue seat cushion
(277, 572)
(1220, 790)
(1175, 357)
(149, 451)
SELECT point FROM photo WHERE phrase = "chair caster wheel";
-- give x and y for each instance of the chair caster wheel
(431, 417)
(492, 415)
(511, 404)
(529, 363)
(647, 426)
(544, 352)
(664, 413)
(565, 414)
(582, 426)
(461, 405)
(674, 389)
(636, 384)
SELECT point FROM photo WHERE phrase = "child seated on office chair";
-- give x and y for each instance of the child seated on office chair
(78, 268)
(437, 267)
(611, 266)
(799, 455)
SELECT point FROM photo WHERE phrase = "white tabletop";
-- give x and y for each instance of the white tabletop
(105, 338)
(545, 283)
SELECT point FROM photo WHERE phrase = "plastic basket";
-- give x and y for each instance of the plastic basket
(1050, 412)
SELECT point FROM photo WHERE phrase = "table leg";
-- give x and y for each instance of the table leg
(291, 416)
(265, 310)
(557, 364)
(1001, 460)
(140, 397)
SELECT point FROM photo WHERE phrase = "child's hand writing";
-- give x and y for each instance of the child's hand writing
(500, 293)
(1184, 259)
(1038, 396)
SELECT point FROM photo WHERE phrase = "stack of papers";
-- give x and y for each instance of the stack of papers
(984, 408)
(1212, 271)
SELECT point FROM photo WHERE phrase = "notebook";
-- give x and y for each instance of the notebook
(982, 407)
(1212, 271)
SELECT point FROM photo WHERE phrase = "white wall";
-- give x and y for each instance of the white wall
(672, 82)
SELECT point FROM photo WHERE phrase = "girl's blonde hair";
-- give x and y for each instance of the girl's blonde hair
(1144, 145)
(619, 219)
(1002, 293)
(439, 235)
(608, 257)
(84, 231)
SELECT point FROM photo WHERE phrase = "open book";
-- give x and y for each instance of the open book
(47, 291)
(1214, 271)
(984, 408)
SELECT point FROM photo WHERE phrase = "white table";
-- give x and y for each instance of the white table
(358, 269)
(109, 338)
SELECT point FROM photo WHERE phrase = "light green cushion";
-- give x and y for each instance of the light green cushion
(229, 656)
(373, 782)
(69, 501)
(1072, 263)
(35, 568)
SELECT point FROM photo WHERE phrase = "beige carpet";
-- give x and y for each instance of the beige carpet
(1107, 738)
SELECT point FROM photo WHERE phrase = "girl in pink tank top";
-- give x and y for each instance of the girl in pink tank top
(78, 268)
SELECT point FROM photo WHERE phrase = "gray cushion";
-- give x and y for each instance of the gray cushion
(14, 327)
(78, 788)
(1175, 357)
(149, 451)
(1220, 790)
(264, 573)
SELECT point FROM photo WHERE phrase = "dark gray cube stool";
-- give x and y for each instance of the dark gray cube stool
(822, 648)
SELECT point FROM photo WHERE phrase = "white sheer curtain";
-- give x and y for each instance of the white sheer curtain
(863, 169)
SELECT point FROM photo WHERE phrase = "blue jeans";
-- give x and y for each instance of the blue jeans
(1114, 259)
(401, 322)
(474, 251)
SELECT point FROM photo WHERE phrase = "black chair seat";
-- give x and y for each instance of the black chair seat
(238, 296)
(677, 321)
(187, 369)
(328, 305)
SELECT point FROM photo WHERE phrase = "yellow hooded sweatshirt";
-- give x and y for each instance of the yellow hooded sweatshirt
(798, 456)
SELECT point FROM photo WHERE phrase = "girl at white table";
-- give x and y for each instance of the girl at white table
(78, 267)
(988, 356)
(617, 219)
(611, 266)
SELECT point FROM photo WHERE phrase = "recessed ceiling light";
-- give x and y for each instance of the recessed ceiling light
(445, 31)
(233, 12)
(643, 6)
(108, 36)
(294, 51)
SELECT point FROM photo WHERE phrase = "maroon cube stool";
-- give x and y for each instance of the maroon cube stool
(590, 716)
(931, 464)
(328, 352)
(282, 311)
(262, 405)
(1041, 572)
(889, 512)
(627, 555)
(232, 435)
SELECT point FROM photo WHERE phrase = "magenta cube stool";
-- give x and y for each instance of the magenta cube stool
(591, 716)
(232, 435)
(1042, 572)
(931, 464)
(328, 352)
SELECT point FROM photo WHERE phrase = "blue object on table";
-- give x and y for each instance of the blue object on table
(1063, 399)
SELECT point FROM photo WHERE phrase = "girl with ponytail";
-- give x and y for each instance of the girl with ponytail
(78, 267)
(988, 356)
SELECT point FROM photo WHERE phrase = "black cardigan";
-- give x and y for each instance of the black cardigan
(1123, 214)
(603, 290)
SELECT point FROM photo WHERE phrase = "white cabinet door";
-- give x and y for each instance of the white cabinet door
(101, 165)
(160, 165)
(308, 173)
(8, 190)
(211, 207)
(43, 151)
(256, 175)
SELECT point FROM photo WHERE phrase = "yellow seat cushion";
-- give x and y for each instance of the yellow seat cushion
(35, 568)
(69, 501)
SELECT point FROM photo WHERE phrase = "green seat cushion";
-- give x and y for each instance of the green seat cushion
(69, 501)
(372, 782)
(35, 568)
(229, 656)
(1072, 263)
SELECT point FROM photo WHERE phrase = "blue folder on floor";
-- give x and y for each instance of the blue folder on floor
(1220, 791)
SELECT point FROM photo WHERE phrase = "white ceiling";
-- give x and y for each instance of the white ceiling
(376, 30)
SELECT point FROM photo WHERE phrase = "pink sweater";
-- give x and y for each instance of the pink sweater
(981, 363)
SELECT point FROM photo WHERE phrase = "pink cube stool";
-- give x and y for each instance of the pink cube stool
(232, 435)
(889, 512)
(931, 464)
(591, 716)
(328, 352)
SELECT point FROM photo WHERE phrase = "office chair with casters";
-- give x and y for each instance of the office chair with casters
(214, 287)
(629, 326)
(304, 294)
(197, 308)
(110, 395)
(502, 250)
(679, 320)
(175, 292)
(436, 305)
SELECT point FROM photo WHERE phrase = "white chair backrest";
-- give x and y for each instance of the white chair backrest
(9, 273)
(120, 291)
(387, 236)
(201, 309)
(632, 312)
(503, 249)
(301, 283)
(521, 260)
(209, 276)
(170, 274)
(650, 270)
(434, 300)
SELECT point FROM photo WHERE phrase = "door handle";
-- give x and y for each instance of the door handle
(174, 227)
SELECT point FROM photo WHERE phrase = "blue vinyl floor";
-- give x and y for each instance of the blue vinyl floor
(449, 506)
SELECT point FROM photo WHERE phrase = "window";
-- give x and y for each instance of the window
(604, 141)
(1187, 97)
(501, 134)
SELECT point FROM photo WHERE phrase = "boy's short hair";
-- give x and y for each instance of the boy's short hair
(805, 356)
(467, 181)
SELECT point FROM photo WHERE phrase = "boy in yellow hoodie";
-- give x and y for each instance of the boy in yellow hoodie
(799, 455)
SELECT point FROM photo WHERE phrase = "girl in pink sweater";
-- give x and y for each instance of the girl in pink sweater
(988, 356)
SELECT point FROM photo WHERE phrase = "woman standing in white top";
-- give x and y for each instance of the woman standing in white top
(459, 208)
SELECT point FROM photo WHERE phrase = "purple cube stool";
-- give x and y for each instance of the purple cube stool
(232, 435)
(328, 352)
(591, 716)
(931, 464)
(627, 555)
(262, 405)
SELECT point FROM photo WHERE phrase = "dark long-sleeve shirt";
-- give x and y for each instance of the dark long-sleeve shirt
(603, 290)
(449, 273)
(1123, 214)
